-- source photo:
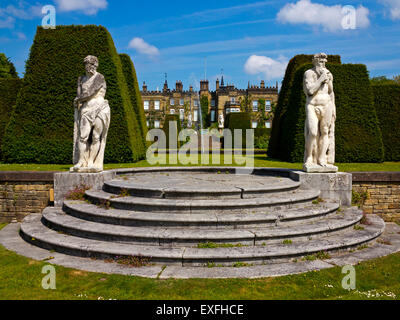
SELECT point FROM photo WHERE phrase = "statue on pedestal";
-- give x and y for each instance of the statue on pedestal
(92, 120)
(189, 122)
(320, 118)
(221, 121)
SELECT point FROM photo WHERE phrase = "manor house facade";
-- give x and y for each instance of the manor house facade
(224, 100)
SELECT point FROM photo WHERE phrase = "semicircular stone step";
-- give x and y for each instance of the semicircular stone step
(197, 206)
(33, 231)
(197, 185)
(56, 219)
(211, 220)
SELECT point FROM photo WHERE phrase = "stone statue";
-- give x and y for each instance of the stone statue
(189, 122)
(92, 119)
(221, 121)
(320, 118)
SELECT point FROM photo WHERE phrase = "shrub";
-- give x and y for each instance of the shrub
(238, 120)
(41, 126)
(261, 138)
(9, 89)
(7, 69)
(387, 105)
(358, 137)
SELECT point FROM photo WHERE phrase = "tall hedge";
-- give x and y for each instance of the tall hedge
(358, 137)
(387, 105)
(134, 93)
(9, 89)
(7, 68)
(41, 126)
(284, 96)
(238, 120)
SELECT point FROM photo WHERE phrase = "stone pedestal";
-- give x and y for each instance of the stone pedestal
(67, 181)
(335, 186)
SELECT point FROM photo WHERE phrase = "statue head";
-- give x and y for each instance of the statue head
(320, 59)
(91, 64)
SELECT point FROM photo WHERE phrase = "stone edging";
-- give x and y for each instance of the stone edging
(27, 176)
(376, 176)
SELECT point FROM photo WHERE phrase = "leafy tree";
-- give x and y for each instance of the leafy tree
(204, 105)
(381, 80)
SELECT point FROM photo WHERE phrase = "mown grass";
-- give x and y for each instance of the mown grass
(259, 161)
(21, 278)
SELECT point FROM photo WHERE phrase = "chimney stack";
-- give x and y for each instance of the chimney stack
(262, 84)
(144, 86)
(204, 85)
(179, 86)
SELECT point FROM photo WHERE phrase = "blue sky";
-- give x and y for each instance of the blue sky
(246, 40)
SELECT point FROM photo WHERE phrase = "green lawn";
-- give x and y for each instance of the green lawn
(259, 161)
(21, 279)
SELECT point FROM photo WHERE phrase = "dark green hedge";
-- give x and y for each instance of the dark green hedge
(41, 126)
(238, 120)
(9, 89)
(134, 93)
(284, 96)
(387, 105)
(7, 68)
(358, 137)
(171, 118)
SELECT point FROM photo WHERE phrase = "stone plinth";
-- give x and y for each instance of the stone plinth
(336, 186)
(67, 181)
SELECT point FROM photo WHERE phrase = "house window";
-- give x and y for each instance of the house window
(181, 102)
(182, 114)
(196, 116)
(212, 103)
(212, 115)
(196, 103)
(233, 100)
(228, 110)
(254, 124)
(156, 124)
(268, 105)
(157, 105)
(255, 105)
(268, 125)
(172, 102)
(172, 111)
(146, 105)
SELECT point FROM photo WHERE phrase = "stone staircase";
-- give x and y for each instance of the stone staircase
(202, 217)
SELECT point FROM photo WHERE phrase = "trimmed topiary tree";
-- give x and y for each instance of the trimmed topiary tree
(9, 89)
(284, 96)
(41, 127)
(7, 69)
(134, 93)
(387, 105)
(358, 137)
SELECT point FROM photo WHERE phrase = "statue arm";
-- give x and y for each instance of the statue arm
(311, 86)
(98, 83)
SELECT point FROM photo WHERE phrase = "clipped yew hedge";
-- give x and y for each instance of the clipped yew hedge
(284, 96)
(134, 93)
(387, 105)
(9, 89)
(358, 136)
(238, 120)
(41, 126)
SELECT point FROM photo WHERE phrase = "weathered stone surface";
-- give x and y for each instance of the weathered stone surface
(66, 181)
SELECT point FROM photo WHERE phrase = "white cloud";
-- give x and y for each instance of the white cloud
(272, 69)
(89, 7)
(394, 8)
(7, 23)
(143, 47)
(315, 14)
